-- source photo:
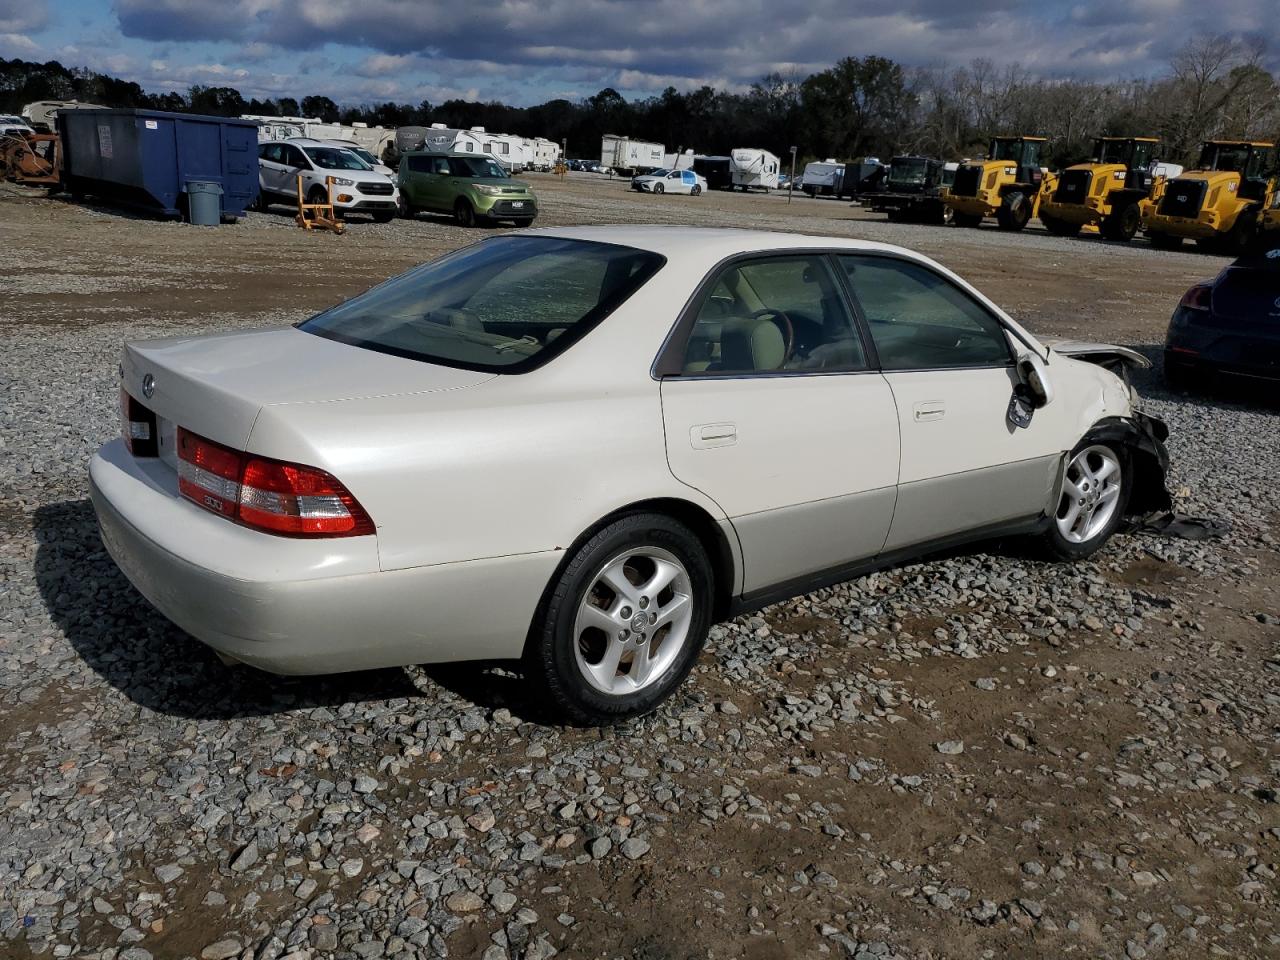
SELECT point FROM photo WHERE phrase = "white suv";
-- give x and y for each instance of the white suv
(357, 188)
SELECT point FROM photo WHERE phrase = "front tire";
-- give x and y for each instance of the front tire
(624, 621)
(1123, 224)
(1014, 212)
(658, 188)
(464, 214)
(1091, 504)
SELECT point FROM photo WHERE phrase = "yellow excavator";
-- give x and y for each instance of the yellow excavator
(1005, 185)
(1219, 203)
(1106, 192)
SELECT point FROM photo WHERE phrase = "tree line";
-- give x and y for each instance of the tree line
(860, 106)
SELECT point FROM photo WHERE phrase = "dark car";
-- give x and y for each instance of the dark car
(1228, 326)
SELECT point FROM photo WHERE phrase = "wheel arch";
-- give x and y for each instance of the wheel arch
(720, 545)
(1142, 439)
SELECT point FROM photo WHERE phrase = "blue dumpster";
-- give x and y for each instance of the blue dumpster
(151, 158)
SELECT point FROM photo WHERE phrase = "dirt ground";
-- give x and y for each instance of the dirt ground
(1078, 808)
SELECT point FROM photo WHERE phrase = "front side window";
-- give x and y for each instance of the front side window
(776, 314)
(505, 305)
(920, 320)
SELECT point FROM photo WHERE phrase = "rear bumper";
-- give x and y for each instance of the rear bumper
(1212, 362)
(271, 602)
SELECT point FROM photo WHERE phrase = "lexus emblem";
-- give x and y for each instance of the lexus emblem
(1273, 254)
(1182, 198)
(148, 386)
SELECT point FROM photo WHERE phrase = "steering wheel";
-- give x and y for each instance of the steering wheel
(788, 331)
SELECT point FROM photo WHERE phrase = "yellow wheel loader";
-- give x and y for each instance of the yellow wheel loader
(1107, 192)
(1219, 203)
(1006, 185)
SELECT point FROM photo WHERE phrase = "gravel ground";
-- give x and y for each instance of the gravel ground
(977, 756)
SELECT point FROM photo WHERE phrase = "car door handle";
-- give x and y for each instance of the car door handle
(705, 436)
(929, 410)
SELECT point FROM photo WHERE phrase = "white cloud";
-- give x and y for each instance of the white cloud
(18, 45)
(22, 16)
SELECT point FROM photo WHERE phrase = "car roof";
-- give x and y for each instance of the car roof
(708, 243)
(444, 153)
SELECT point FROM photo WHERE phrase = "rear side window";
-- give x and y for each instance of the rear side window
(504, 305)
(773, 315)
(920, 320)
(419, 164)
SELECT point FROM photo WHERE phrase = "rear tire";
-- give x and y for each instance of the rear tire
(1060, 228)
(1122, 224)
(696, 191)
(594, 650)
(1163, 241)
(1014, 212)
(1091, 505)
(1180, 377)
(1239, 239)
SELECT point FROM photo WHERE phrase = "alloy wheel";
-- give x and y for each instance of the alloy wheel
(1090, 494)
(633, 621)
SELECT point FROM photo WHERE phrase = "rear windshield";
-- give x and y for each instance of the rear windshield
(507, 305)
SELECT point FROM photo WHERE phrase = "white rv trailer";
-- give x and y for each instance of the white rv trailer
(678, 161)
(546, 153)
(822, 177)
(43, 114)
(624, 155)
(755, 168)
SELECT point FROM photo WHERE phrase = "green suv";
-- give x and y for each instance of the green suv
(473, 188)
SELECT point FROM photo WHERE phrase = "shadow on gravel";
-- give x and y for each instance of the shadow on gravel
(1222, 392)
(157, 666)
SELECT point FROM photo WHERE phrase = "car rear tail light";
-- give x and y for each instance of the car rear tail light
(288, 499)
(298, 501)
(208, 473)
(1198, 297)
(138, 427)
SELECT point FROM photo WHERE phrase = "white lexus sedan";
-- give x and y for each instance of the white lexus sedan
(581, 447)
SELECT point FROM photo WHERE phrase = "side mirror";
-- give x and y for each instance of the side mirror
(1035, 376)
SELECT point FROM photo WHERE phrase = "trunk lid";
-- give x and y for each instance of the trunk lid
(216, 385)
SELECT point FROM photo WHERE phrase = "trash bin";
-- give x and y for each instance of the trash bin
(204, 203)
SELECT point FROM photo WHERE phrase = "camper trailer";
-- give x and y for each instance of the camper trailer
(678, 161)
(822, 178)
(43, 114)
(755, 169)
(546, 154)
(626, 156)
(506, 148)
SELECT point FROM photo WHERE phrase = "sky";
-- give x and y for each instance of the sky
(527, 51)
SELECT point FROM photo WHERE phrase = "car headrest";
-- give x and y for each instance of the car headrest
(752, 343)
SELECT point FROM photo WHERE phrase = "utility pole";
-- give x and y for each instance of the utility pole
(791, 181)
